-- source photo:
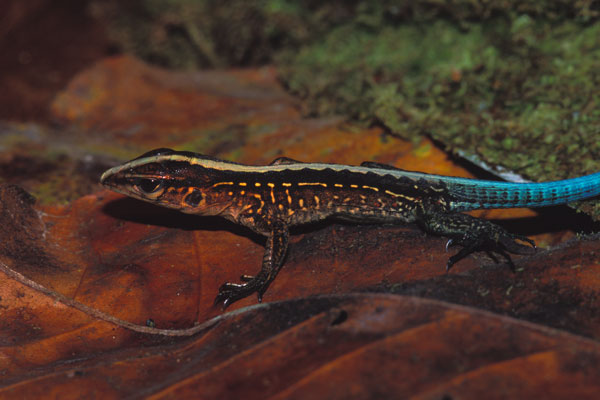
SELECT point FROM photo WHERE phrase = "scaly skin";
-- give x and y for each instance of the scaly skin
(271, 199)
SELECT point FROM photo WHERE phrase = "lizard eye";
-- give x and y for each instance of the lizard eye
(150, 187)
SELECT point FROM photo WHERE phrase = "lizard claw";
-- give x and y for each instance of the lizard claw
(449, 265)
(230, 292)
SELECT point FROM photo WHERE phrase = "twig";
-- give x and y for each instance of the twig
(95, 313)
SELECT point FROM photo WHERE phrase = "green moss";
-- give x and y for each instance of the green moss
(204, 33)
(519, 93)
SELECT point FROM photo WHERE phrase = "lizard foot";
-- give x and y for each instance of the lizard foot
(231, 292)
(492, 241)
(475, 234)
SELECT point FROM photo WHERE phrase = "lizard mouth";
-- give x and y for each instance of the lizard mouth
(114, 182)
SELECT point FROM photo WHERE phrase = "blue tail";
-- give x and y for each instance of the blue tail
(471, 194)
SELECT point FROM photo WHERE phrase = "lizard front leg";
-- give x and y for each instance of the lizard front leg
(474, 234)
(275, 249)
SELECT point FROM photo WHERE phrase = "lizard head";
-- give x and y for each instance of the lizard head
(173, 179)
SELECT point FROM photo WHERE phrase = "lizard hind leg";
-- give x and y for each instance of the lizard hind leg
(475, 234)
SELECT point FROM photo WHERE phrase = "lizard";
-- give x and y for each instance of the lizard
(269, 199)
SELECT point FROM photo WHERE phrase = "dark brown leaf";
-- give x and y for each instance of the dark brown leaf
(354, 346)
